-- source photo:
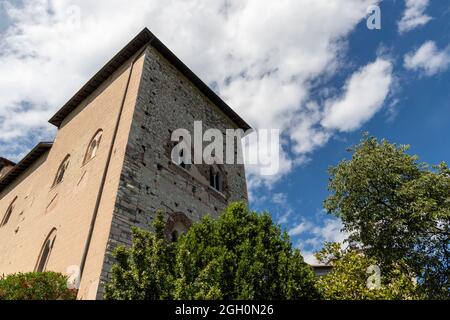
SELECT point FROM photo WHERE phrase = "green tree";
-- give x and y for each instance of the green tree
(240, 255)
(397, 208)
(352, 273)
(146, 270)
(35, 286)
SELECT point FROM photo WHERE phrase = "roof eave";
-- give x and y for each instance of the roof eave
(145, 37)
(7, 161)
(24, 164)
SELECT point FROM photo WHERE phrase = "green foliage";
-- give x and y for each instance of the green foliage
(35, 286)
(146, 271)
(240, 255)
(397, 208)
(350, 275)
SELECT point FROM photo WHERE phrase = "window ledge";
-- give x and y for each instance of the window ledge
(214, 190)
(219, 193)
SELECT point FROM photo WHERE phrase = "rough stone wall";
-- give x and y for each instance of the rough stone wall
(150, 181)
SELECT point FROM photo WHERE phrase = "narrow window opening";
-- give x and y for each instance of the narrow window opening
(45, 255)
(174, 236)
(177, 225)
(46, 250)
(215, 180)
(93, 147)
(8, 213)
(182, 164)
(61, 172)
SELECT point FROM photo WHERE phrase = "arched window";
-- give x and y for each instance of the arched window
(46, 250)
(179, 153)
(215, 179)
(174, 236)
(182, 164)
(8, 213)
(61, 171)
(177, 225)
(93, 146)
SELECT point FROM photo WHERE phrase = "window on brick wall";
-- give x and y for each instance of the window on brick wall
(93, 146)
(61, 171)
(177, 225)
(8, 213)
(179, 154)
(178, 229)
(46, 251)
(182, 164)
(174, 236)
(215, 180)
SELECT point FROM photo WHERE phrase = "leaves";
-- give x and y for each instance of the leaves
(397, 208)
(241, 255)
(349, 277)
(145, 271)
(36, 286)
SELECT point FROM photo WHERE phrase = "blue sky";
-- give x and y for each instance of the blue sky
(420, 118)
(311, 68)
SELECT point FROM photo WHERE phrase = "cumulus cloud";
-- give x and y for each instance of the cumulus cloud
(329, 230)
(414, 15)
(279, 198)
(299, 228)
(307, 134)
(315, 233)
(365, 93)
(428, 59)
(285, 211)
(262, 56)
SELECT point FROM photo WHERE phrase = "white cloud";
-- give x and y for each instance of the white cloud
(331, 231)
(429, 59)
(309, 258)
(307, 134)
(414, 15)
(365, 93)
(270, 164)
(279, 198)
(314, 235)
(261, 55)
(327, 230)
(283, 211)
(283, 219)
(300, 228)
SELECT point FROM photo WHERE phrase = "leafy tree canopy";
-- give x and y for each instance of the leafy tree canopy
(397, 208)
(354, 277)
(240, 255)
(35, 286)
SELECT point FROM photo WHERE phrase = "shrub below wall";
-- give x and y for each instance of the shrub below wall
(35, 286)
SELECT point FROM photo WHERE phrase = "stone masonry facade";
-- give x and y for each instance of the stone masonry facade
(150, 181)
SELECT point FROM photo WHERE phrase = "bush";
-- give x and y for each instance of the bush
(241, 255)
(351, 275)
(35, 286)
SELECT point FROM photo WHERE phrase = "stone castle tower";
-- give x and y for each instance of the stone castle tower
(68, 203)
